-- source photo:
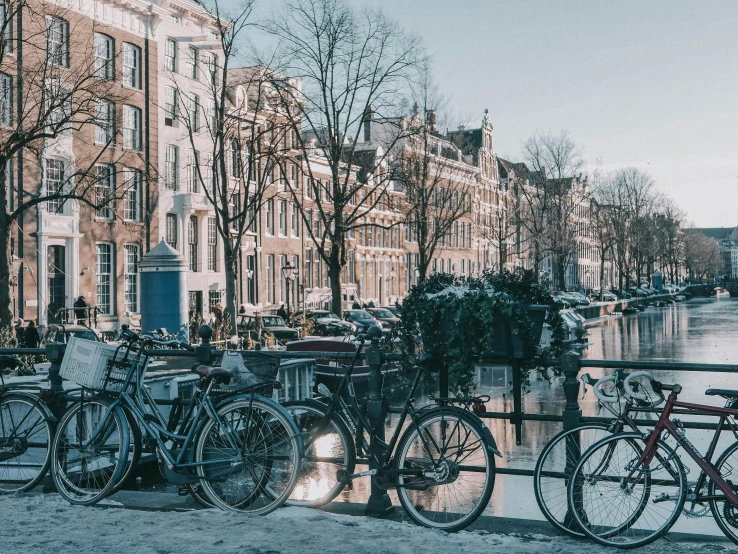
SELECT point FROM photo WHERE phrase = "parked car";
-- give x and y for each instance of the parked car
(579, 298)
(621, 294)
(272, 323)
(560, 298)
(607, 296)
(325, 323)
(62, 333)
(385, 317)
(638, 292)
(394, 309)
(361, 318)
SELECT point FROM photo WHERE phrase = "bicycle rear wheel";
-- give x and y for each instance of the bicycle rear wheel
(134, 450)
(90, 451)
(618, 502)
(454, 470)
(25, 442)
(251, 460)
(553, 469)
(725, 512)
(329, 447)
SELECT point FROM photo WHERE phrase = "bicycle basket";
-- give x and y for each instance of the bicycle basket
(90, 364)
(249, 371)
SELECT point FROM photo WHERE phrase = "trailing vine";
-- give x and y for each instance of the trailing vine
(462, 321)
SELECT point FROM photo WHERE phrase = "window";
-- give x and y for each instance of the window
(130, 278)
(171, 106)
(193, 112)
(208, 175)
(214, 298)
(170, 55)
(295, 230)
(171, 167)
(192, 60)
(131, 128)
(212, 245)
(192, 174)
(6, 99)
(269, 216)
(270, 278)
(132, 195)
(54, 178)
(192, 241)
(104, 57)
(104, 191)
(104, 279)
(131, 65)
(57, 41)
(235, 159)
(210, 115)
(308, 273)
(6, 34)
(283, 218)
(171, 230)
(104, 122)
(211, 63)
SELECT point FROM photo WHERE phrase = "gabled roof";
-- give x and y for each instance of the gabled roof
(718, 233)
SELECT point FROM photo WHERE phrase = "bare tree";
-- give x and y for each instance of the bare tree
(702, 257)
(240, 138)
(436, 182)
(549, 205)
(54, 91)
(353, 68)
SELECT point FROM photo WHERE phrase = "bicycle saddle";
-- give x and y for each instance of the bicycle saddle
(209, 372)
(725, 393)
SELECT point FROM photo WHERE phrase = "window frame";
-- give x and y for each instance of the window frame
(105, 308)
(106, 213)
(171, 224)
(58, 56)
(131, 279)
(107, 125)
(132, 181)
(171, 167)
(212, 245)
(132, 135)
(132, 70)
(104, 64)
(6, 99)
(191, 64)
(193, 233)
(170, 55)
(55, 206)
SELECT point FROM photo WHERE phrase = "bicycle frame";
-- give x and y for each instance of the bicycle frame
(708, 470)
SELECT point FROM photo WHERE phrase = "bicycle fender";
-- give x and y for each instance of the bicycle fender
(49, 416)
(470, 417)
(276, 405)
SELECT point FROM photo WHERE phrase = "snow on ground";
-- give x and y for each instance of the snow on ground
(48, 524)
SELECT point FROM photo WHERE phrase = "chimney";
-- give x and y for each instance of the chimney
(430, 120)
(368, 117)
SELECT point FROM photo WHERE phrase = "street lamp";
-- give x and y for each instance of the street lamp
(289, 273)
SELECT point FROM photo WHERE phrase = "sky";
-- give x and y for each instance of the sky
(650, 83)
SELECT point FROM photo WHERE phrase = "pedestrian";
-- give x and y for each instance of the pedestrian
(218, 313)
(81, 309)
(281, 312)
(31, 337)
(371, 304)
(356, 305)
(19, 330)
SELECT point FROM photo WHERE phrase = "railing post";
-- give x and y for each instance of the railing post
(55, 355)
(443, 382)
(204, 351)
(571, 417)
(379, 503)
(570, 369)
(517, 386)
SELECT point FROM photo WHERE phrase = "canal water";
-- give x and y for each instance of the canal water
(704, 331)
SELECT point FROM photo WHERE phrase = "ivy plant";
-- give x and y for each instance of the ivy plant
(460, 320)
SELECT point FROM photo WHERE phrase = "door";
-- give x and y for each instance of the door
(56, 293)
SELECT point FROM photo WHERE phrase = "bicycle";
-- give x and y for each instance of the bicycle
(629, 489)
(556, 461)
(442, 466)
(26, 428)
(244, 451)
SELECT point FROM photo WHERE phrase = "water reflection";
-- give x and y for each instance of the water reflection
(696, 331)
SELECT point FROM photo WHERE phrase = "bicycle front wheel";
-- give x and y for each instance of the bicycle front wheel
(617, 501)
(25, 443)
(250, 458)
(329, 448)
(725, 512)
(555, 466)
(90, 451)
(448, 471)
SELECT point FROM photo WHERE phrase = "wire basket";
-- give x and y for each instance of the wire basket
(90, 364)
(250, 371)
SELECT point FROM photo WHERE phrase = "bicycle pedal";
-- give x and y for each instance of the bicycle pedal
(182, 490)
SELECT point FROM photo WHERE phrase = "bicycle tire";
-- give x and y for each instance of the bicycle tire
(279, 441)
(33, 419)
(627, 533)
(449, 423)
(91, 482)
(134, 450)
(551, 495)
(723, 512)
(315, 475)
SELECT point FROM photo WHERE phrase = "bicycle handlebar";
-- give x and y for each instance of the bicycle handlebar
(603, 396)
(630, 392)
(131, 336)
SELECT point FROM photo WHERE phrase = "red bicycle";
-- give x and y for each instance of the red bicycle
(629, 489)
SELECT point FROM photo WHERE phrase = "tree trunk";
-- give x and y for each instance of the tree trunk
(422, 268)
(230, 278)
(6, 315)
(334, 278)
(602, 276)
(561, 274)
